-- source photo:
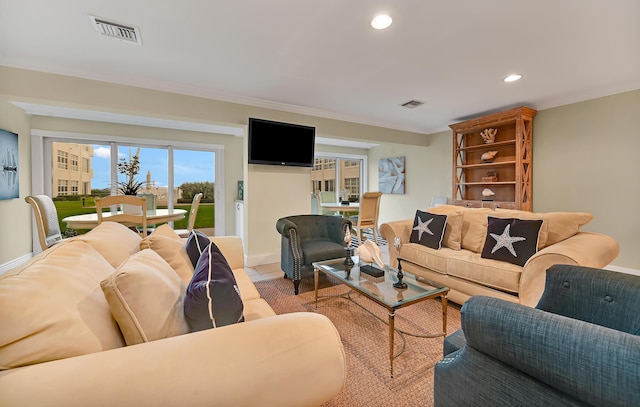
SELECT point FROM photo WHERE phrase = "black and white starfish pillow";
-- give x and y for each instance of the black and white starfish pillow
(428, 229)
(511, 239)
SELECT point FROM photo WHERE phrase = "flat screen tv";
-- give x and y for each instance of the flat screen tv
(277, 143)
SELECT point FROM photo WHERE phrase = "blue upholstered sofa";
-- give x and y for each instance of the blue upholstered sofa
(578, 347)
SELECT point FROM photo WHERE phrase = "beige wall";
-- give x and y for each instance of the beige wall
(582, 158)
(15, 214)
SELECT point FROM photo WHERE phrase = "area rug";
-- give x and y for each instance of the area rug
(366, 341)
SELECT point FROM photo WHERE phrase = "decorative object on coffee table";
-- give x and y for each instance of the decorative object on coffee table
(397, 243)
(369, 252)
(348, 261)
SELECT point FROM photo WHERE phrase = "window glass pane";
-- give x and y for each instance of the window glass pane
(194, 172)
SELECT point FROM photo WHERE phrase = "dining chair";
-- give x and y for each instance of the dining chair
(326, 197)
(46, 215)
(193, 212)
(367, 217)
(133, 213)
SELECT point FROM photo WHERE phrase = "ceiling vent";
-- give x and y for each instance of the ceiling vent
(412, 104)
(122, 32)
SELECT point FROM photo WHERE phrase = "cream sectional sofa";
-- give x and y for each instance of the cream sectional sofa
(459, 265)
(61, 344)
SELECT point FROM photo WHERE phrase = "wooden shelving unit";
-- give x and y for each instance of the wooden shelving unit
(511, 166)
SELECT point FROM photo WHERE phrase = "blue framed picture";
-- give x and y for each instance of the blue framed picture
(9, 185)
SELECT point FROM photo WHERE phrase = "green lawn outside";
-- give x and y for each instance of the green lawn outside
(205, 218)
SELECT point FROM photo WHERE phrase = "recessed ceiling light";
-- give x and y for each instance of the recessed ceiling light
(513, 77)
(381, 22)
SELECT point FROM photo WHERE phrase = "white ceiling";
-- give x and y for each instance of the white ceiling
(323, 58)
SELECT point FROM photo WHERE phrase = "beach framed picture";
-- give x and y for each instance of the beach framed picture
(391, 173)
(9, 185)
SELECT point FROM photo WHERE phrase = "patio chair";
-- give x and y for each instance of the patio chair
(195, 204)
(46, 217)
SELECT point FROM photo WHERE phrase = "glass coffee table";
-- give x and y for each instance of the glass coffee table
(381, 290)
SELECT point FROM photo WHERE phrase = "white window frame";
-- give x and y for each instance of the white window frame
(41, 161)
(364, 181)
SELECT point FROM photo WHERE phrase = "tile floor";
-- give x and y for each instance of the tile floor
(270, 271)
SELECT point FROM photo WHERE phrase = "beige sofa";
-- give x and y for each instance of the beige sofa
(61, 344)
(459, 265)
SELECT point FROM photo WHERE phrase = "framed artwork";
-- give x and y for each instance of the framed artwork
(9, 185)
(391, 174)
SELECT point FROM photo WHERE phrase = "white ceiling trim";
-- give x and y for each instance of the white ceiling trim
(35, 109)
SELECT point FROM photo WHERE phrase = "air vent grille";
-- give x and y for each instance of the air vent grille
(115, 30)
(412, 104)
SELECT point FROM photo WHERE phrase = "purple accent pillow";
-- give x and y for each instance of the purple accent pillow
(212, 298)
(196, 243)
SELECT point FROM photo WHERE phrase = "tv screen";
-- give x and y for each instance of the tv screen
(276, 143)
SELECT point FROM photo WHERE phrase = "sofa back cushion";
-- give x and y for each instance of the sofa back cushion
(146, 298)
(556, 226)
(115, 242)
(53, 308)
(563, 225)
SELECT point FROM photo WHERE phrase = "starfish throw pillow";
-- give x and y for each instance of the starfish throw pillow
(511, 239)
(428, 229)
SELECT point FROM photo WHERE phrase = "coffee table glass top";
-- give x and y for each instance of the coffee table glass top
(380, 289)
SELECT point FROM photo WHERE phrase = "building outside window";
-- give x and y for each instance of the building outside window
(74, 162)
(85, 164)
(63, 187)
(74, 187)
(62, 160)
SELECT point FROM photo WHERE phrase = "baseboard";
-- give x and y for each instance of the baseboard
(258, 260)
(15, 263)
(623, 270)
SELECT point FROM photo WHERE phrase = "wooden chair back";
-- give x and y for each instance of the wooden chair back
(133, 212)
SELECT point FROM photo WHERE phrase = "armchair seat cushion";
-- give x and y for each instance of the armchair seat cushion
(319, 250)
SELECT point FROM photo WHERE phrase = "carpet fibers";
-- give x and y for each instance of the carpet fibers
(366, 341)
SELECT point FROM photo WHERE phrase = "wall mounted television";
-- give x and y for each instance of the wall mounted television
(284, 144)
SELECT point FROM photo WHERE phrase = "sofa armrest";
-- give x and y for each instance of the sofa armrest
(589, 362)
(245, 364)
(231, 248)
(399, 228)
(582, 249)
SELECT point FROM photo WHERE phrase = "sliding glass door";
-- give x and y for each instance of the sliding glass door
(81, 170)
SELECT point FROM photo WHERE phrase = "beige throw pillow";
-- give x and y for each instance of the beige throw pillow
(146, 298)
(172, 251)
(474, 228)
(453, 230)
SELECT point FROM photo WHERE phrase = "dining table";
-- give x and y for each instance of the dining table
(90, 220)
(344, 209)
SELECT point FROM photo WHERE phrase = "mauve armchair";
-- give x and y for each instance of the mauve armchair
(578, 347)
(307, 239)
